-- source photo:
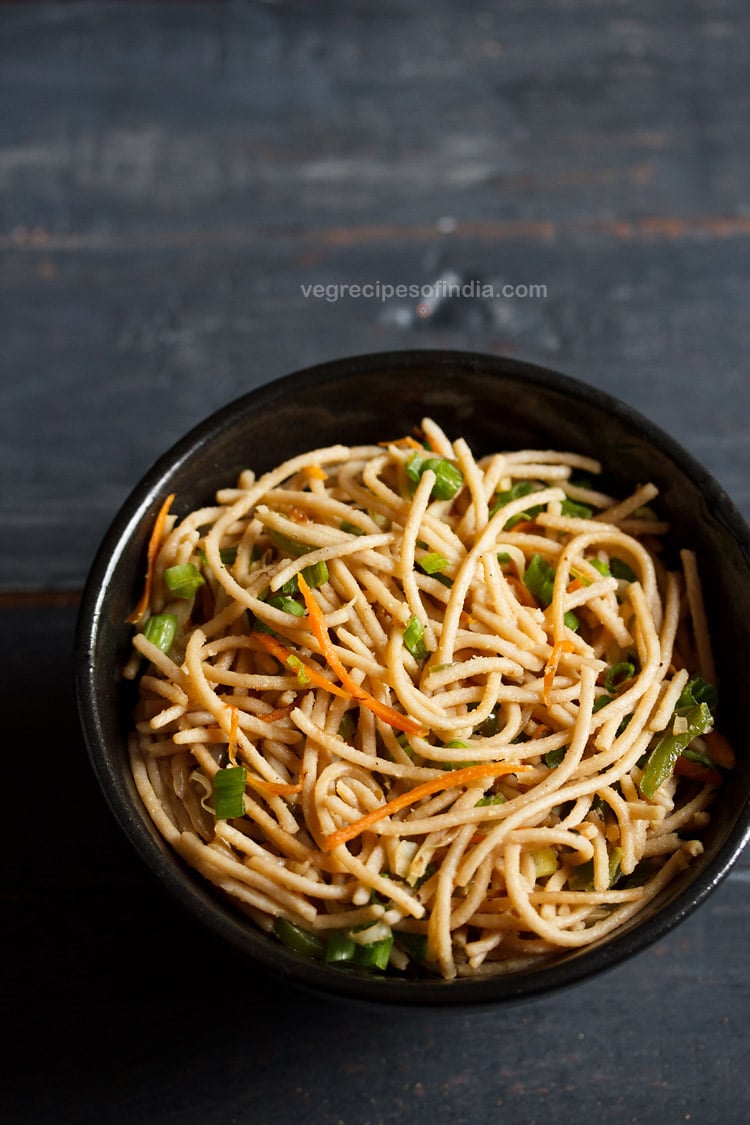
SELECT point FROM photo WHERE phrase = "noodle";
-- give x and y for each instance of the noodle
(460, 700)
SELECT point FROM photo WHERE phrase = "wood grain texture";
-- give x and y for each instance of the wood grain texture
(171, 175)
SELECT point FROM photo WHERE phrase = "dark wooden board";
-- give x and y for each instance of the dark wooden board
(171, 175)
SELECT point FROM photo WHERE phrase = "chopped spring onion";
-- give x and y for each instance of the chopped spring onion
(618, 675)
(347, 726)
(414, 638)
(490, 726)
(545, 862)
(448, 477)
(432, 563)
(517, 490)
(183, 580)
(340, 947)
(663, 758)
(601, 701)
(301, 941)
(315, 576)
(539, 580)
(283, 602)
(297, 666)
(576, 511)
(415, 945)
(600, 565)
(352, 529)
(491, 799)
(229, 791)
(553, 758)
(698, 690)
(621, 570)
(160, 630)
(289, 545)
(582, 878)
(376, 955)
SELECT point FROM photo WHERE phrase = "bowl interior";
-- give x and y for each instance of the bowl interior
(494, 403)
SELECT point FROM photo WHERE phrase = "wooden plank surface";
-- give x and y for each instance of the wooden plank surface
(171, 176)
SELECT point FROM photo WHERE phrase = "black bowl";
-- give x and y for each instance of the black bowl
(495, 403)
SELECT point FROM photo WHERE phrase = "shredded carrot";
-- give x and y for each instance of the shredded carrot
(320, 632)
(523, 594)
(453, 779)
(274, 716)
(696, 771)
(282, 653)
(719, 750)
(550, 668)
(274, 788)
(403, 443)
(152, 551)
(576, 584)
(233, 735)
(314, 472)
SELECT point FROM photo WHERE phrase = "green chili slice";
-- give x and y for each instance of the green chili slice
(663, 758)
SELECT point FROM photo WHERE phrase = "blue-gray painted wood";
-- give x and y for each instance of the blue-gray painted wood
(171, 175)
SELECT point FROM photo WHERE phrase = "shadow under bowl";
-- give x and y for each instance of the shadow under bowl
(495, 403)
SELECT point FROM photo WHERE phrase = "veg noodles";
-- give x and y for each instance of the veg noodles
(417, 711)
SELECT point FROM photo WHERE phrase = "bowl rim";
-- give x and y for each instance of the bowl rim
(197, 896)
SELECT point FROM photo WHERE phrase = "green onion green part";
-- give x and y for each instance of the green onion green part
(553, 758)
(539, 579)
(414, 638)
(600, 565)
(229, 790)
(432, 563)
(301, 941)
(448, 477)
(376, 955)
(517, 490)
(618, 675)
(315, 576)
(290, 546)
(160, 630)
(577, 511)
(621, 570)
(284, 603)
(339, 947)
(183, 580)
